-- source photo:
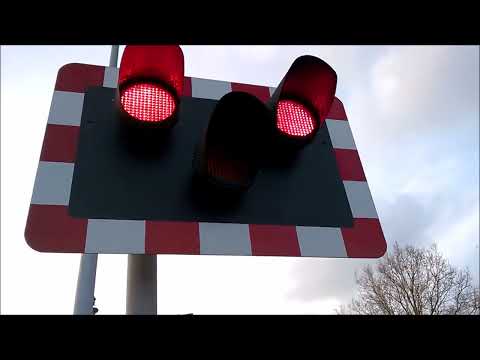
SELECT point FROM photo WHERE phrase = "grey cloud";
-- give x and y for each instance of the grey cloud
(407, 220)
(418, 91)
(325, 278)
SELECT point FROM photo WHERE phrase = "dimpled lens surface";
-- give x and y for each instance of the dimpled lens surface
(294, 119)
(148, 102)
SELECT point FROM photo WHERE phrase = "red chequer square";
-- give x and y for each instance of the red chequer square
(365, 239)
(78, 77)
(60, 143)
(187, 86)
(349, 165)
(169, 237)
(51, 229)
(261, 92)
(337, 111)
(275, 240)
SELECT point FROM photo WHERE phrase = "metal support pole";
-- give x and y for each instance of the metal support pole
(85, 285)
(114, 56)
(142, 285)
(84, 297)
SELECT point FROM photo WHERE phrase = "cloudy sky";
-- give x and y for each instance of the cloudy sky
(414, 113)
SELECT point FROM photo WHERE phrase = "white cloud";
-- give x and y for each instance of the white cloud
(239, 285)
(457, 236)
(254, 54)
(423, 90)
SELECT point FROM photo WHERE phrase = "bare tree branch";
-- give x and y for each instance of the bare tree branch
(414, 281)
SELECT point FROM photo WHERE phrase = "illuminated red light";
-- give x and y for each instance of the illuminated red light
(148, 102)
(294, 119)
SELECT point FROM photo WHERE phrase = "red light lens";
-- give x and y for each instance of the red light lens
(221, 166)
(294, 119)
(148, 102)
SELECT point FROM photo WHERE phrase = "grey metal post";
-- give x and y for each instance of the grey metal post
(114, 56)
(84, 296)
(142, 285)
(85, 285)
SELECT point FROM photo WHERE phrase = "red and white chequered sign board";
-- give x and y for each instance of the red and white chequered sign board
(50, 228)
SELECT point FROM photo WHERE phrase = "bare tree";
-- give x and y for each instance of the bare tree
(413, 281)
